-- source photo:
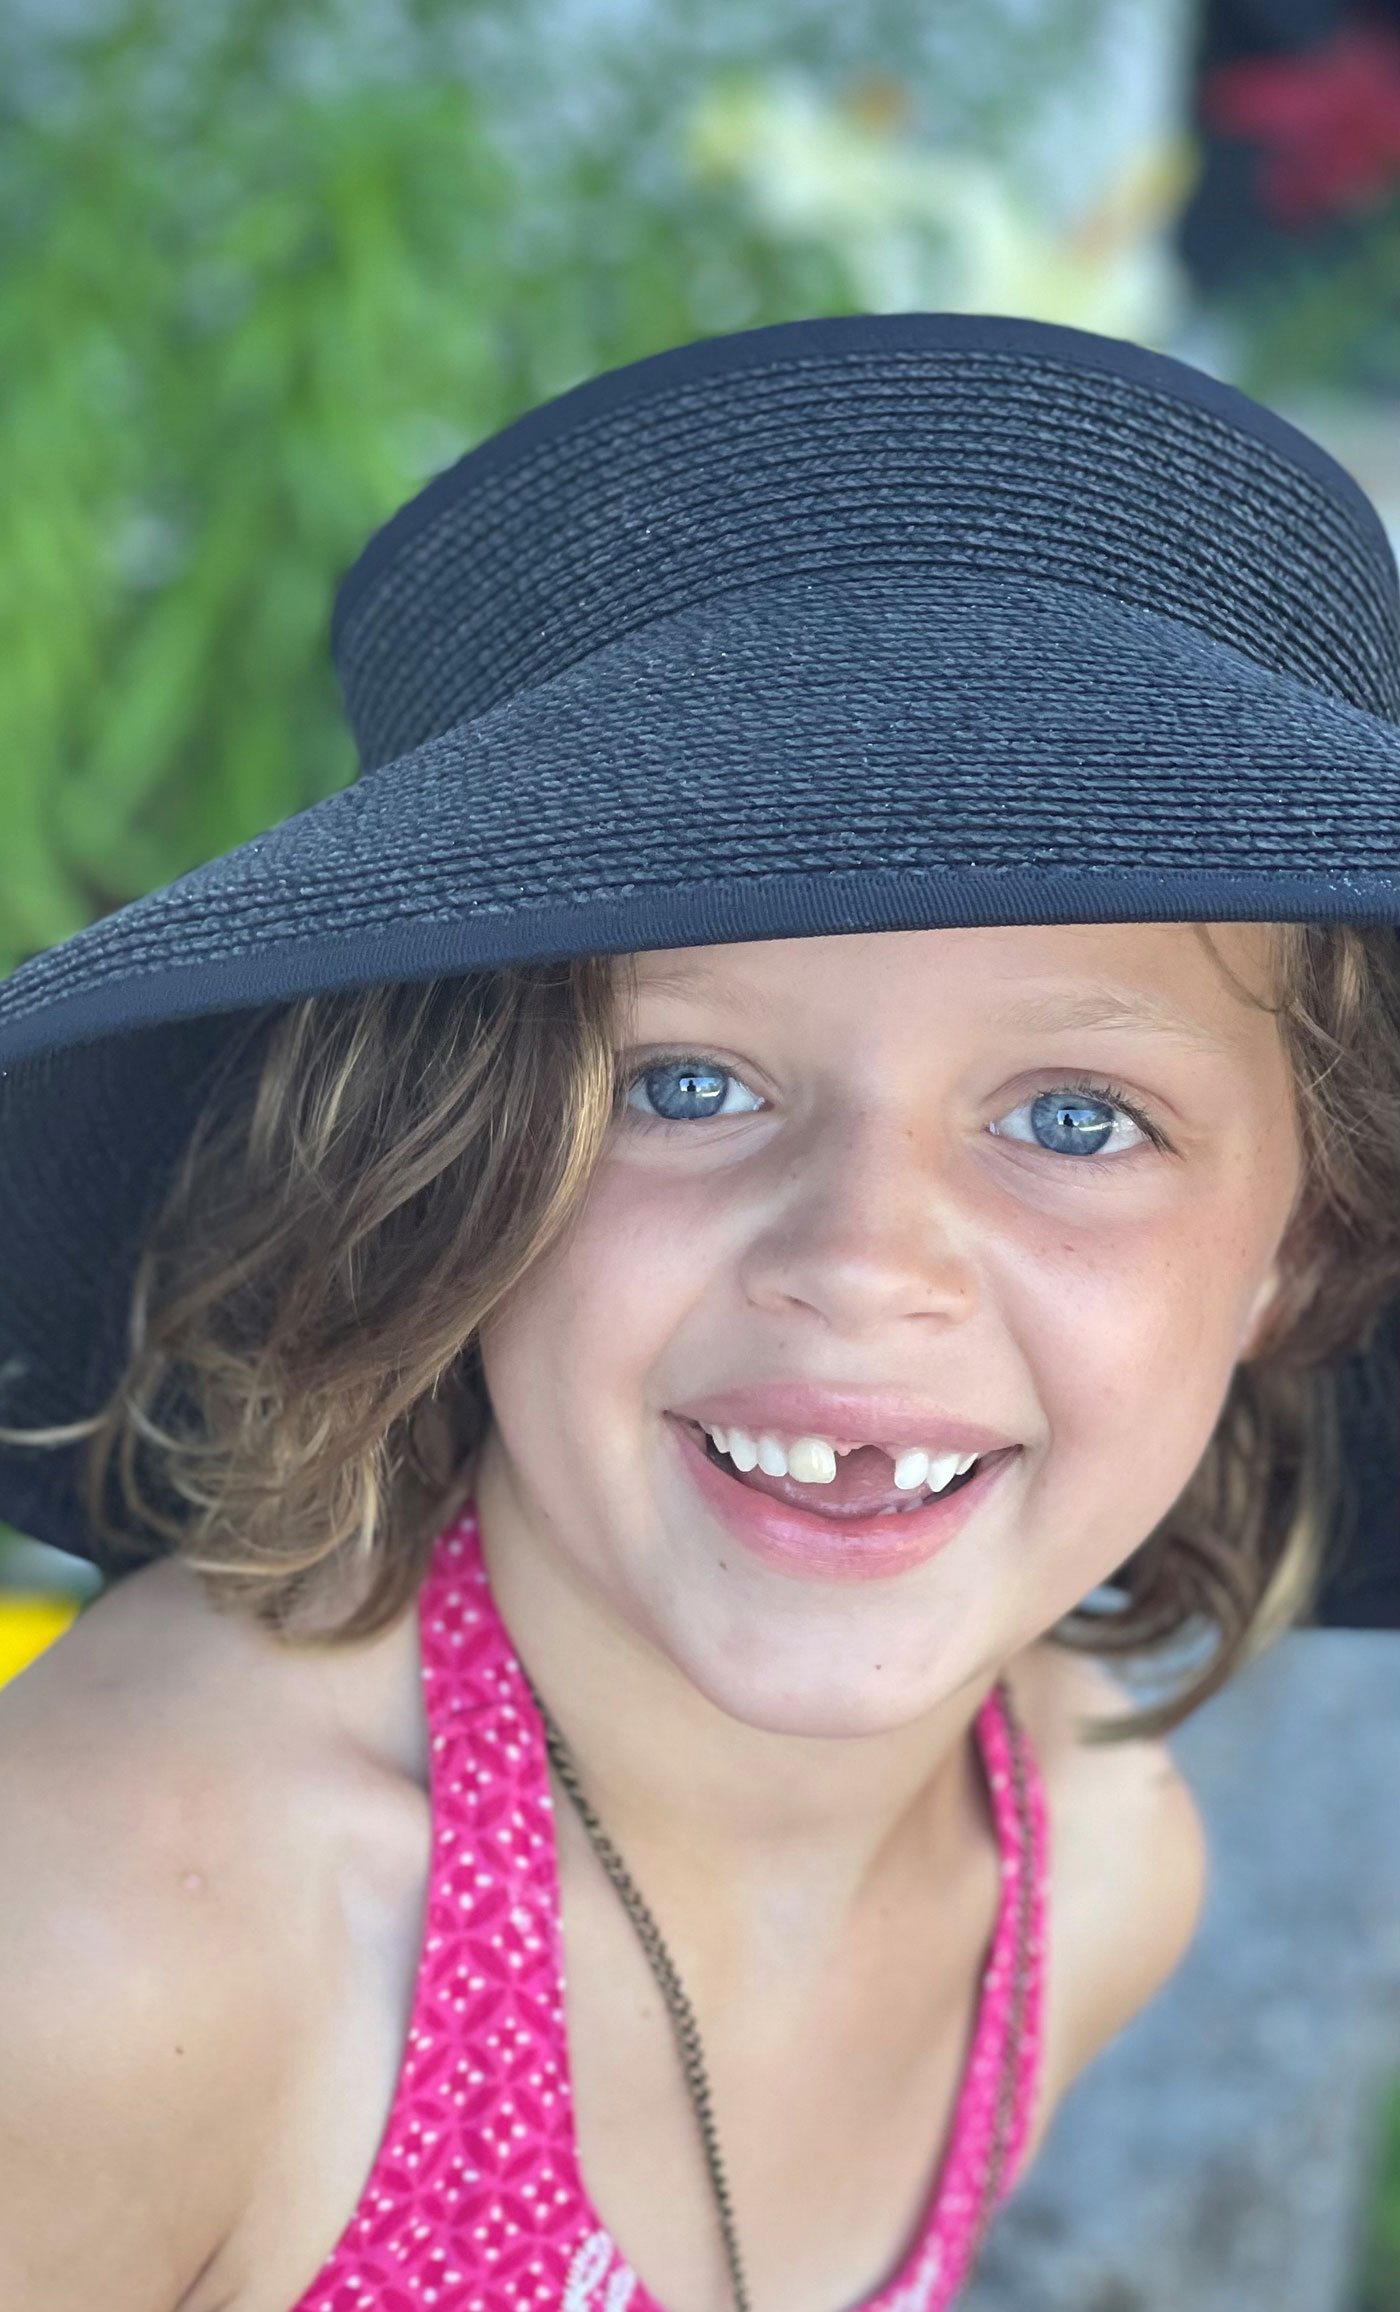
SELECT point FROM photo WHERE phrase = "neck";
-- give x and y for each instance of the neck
(685, 1790)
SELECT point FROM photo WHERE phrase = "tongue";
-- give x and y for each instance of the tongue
(863, 1485)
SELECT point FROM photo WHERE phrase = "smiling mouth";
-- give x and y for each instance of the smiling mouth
(863, 1485)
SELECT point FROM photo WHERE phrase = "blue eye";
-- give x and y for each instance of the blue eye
(1080, 1121)
(1085, 1119)
(685, 1091)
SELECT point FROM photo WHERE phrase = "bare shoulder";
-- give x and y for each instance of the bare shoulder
(136, 2007)
(1128, 1858)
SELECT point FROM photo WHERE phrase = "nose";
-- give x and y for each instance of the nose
(864, 1231)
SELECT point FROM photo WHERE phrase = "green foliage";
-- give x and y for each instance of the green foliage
(1379, 2280)
(242, 318)
(1328, 317)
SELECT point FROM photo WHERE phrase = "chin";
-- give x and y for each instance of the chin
(780, 1689)
(824, 1717)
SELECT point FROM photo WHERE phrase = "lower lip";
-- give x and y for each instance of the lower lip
(814, 1548)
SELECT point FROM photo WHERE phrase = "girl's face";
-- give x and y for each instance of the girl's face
(932, 1191)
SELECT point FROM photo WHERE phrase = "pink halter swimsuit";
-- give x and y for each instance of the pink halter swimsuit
(475, 2202)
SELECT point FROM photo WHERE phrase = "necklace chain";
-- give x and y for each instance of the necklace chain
(672, 1991)
(687, 2031)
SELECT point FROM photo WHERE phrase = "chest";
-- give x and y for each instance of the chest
(833, 2088)
(833, 2091)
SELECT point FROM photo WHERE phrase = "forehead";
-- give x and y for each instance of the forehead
(1201, 986)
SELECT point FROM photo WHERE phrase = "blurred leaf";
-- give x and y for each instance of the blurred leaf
(245, 311)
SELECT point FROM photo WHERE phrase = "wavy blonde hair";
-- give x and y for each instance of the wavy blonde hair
(376, 1171)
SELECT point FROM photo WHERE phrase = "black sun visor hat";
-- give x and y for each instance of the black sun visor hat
(863, 624)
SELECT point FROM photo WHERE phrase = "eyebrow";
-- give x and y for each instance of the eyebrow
(1096, 1004)
(1101, 1006)
(699, 979)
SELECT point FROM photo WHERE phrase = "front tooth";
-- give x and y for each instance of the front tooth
(721, 1439)
(965, 1462)
(910, 1470)
(772, 1460)
(812, 1461)
(942, 1469)
(742, 1450)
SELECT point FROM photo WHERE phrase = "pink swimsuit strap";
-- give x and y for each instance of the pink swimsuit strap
(475, 2202)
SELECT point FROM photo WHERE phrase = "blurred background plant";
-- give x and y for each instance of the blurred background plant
(266, 265)
(270, 263)
(1378, 2281)
(252, 298)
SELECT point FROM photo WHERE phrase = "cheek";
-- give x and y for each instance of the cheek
(1132, 1333)
(583, 1337)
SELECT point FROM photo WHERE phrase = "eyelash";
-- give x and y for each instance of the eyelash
(1089, 1087)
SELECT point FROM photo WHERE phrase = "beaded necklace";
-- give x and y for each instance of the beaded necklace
(687, 2032)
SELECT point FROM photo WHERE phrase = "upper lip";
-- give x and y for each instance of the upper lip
(844, 1416)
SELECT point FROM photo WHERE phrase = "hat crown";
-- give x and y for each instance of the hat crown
(883, 447)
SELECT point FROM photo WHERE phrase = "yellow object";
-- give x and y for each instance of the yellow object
(27, 1625)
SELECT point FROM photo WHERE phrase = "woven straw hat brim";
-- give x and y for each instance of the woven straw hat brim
(807, 758)
(816, 756)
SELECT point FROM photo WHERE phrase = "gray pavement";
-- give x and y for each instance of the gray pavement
(1216, 2155)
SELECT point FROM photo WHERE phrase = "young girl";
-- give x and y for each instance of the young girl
(614, 1293)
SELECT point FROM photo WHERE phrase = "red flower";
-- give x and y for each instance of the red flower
(1328, 122)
